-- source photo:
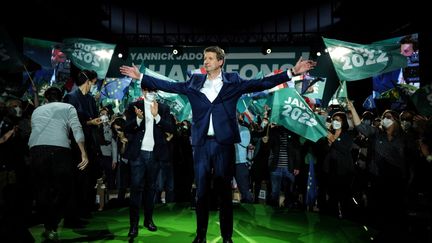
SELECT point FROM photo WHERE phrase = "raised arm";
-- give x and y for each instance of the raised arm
(131, 71)
(356, 117)
(303, 66)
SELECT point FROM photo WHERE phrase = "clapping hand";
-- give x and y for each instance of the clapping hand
(139, 113)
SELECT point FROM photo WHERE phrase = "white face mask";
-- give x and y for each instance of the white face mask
(93, 89)
(386, 123)
(150, 96)
(336, 124)
(104, 118)
(18, 111)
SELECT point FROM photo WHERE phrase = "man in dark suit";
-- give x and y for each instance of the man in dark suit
(213, 98)
(147, 121)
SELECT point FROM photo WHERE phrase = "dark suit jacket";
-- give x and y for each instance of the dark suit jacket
(135, 133)
(293, 148)
(87, 110)
(223, 107)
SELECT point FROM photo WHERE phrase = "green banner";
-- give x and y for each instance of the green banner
(291, 110)
(89, 54)
(355, 61)
(179, 105)
(9, 59)
(39, 51)
(317, 90)
(342, 91)
(422, 100)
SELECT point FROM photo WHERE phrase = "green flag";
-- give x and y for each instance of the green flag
(342, 91)
(39, 51)
(392, 94)
(179, 105)
(257, 106)
(9, 59)
(317, 90)
(89, 54)
(355, 61)
(422, 100)
(243, 103)
(291, 110)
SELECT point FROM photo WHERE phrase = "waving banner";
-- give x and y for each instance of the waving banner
(355, 61)
(291, 110)
(89, 54)
(422, 100)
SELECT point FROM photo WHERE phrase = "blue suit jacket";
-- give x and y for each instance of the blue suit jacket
(223, 107)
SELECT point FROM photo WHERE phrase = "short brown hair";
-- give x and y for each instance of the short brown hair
(220, 53)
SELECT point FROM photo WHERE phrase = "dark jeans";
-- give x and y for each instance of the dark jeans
(122, 178)
(243, 182)
(144, 172)
(106, 165)
(52, 176)
(281, 177)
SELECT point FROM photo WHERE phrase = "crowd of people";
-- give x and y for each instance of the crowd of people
(371, 167)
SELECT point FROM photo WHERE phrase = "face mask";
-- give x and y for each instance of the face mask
(367, 122)
(336, 124)
(104, 118)
(93, 89)
(405, 125)
(386, 122)
(18, 111)
(150, 96)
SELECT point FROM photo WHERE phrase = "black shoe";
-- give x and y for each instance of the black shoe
(227, 240)
(150, 225)
(199, 239)
(133, 231)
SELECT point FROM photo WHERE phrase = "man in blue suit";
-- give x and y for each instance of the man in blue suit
(213, 97)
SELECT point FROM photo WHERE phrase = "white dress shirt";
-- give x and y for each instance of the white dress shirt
(211, 89)
(148, 140)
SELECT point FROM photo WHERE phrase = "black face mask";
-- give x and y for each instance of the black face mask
(367, 122)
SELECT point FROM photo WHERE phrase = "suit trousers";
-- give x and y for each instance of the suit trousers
(214, 162)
